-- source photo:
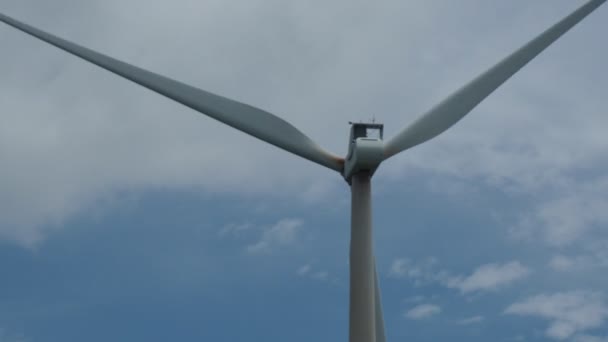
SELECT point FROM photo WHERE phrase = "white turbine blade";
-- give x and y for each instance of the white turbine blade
(460, 103)
(380, 336)
(243, 117)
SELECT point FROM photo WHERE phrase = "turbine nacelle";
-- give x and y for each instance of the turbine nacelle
(365, 149)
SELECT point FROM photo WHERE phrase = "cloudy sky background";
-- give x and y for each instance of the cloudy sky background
(126, 216)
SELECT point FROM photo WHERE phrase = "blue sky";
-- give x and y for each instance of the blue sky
(128, 217)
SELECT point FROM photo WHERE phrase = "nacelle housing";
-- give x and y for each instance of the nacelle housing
(365, 150)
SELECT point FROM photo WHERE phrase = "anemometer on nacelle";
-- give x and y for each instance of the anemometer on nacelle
(365, 149)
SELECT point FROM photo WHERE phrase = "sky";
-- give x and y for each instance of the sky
(127, 217)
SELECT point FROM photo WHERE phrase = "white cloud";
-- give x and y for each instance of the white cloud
(308, 271)
(420, 272)
(569, 313)
(320, 275)
(303, 270)
(63, 150)
(471, 320)
(399, 268)
(282, 233)
(598, 249)
(234, 229)
(593, 255)
(589, 338)
(489, 277)
(423, 311)
(576, 212)
(563, 263)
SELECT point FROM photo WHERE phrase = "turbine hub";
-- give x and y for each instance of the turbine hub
(365, 149)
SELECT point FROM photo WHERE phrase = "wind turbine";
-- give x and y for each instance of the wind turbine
(366, 152)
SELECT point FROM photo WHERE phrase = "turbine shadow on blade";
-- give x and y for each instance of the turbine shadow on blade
(366, 323)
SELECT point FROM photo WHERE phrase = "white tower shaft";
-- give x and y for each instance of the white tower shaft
(362, 313)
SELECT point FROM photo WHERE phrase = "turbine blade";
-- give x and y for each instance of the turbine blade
(460, 103)
(251, 120)
(380, 336)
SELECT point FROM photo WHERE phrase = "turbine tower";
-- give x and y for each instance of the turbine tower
(367, 149)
